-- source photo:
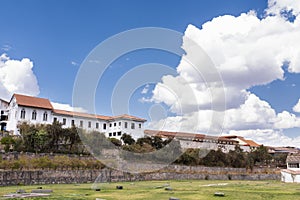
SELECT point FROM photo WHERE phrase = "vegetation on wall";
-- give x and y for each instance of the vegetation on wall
(55, 139)
(56, 162)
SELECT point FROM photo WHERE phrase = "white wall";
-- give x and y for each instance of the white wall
(289, 178)
(77, 120)
(118, 125)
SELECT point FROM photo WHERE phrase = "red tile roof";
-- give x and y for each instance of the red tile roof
(130, 117)
(185, 135)
(250, 143)
(80, 114)
(35, 102)
(293, 158)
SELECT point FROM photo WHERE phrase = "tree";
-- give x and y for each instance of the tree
(8, 142)
(189, 157)
(72, 139)
(215, 159)
(144, 140)
(236, 158)
(127, 139)
(261, 155)
(55, 132)
(157, 142)
(116, 142)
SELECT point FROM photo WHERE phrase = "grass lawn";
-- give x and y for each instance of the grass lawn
(185, 190)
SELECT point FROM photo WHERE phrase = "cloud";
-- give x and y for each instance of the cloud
(245, 51)
(296, 108)
(61, 106)
(145, 89)
(6, 47)
(74, 63)
(268, 137)
(277, 7)
(16, 76)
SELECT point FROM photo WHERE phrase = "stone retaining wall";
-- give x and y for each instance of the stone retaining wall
(109, 175)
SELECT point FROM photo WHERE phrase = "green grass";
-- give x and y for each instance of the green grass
(185, 190)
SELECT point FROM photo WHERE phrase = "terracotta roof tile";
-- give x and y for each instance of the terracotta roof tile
(251, 143)
(293, 158)
(130, 117)
(35, 102)
(185, 135)
(80, 114)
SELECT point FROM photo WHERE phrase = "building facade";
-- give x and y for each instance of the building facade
(34, 110)
(3, 114)
(292, 173)
(201, 141)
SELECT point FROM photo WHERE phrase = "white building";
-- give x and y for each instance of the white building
(201, 141)
(3, 114)
(292, 173)
(36, 110)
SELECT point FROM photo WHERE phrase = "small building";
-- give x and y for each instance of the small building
(292, 173)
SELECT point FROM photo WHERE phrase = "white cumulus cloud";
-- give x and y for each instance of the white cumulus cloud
(240, 53)
(296, 108)
(16, 76)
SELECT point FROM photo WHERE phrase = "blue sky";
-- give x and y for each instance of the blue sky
(58, 35)
(55, 33)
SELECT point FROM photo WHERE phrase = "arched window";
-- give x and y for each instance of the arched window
(34, 115)
(22, 114)
(45, 116)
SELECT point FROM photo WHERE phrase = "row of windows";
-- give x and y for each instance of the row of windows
(33, 115)
(125, 125)
(293, 165)
(64, 122)
(115, 134)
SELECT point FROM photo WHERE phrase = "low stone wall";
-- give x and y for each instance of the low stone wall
(109, 175)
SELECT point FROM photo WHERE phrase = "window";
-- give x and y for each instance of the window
(119, 123)
(64, 121)
(115, 124)
(97, 125)
(126, 124)
(33, 115)
(110, 134)
(119, 133)
(132, 125)
(114, 133)
(54, 119)
(45, 116)
(89, 124)
(104, 126)
(73, 122)
(81, 124)
(22, 114)
(140, 125)
(293, 165)
(110, 125)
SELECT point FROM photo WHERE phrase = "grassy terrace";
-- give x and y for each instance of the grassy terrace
(185, 190)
